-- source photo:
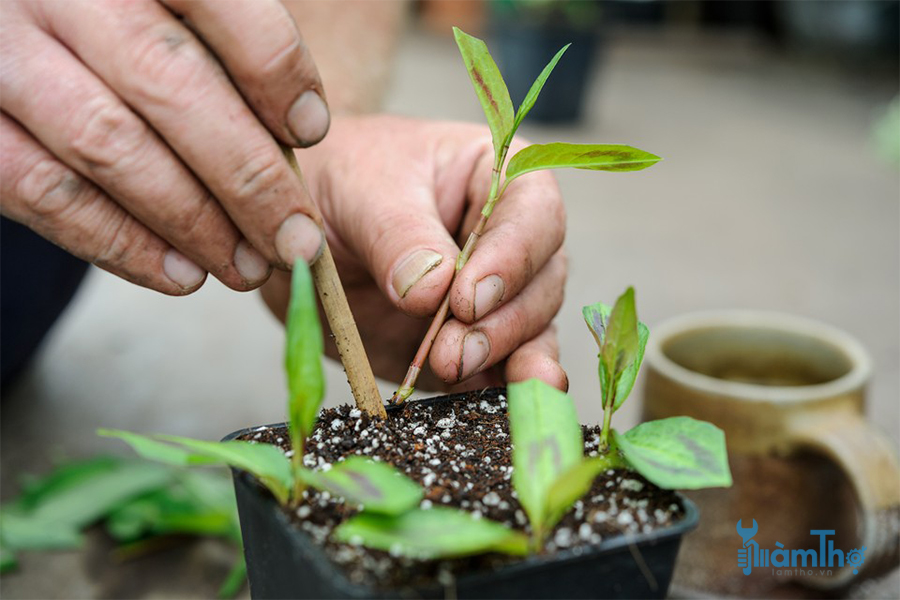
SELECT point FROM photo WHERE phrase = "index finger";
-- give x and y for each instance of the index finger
(160, 69)
(259, 45)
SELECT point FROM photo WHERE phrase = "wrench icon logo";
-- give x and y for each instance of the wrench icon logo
(750, 547)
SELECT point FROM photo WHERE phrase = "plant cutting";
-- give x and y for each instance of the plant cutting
(674, 453)
(503, 123)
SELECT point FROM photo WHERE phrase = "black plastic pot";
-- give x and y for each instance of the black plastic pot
(284, 562)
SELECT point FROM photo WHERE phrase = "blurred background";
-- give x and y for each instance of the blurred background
(780, 190)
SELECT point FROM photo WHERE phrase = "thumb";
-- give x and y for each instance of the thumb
(398, 234)
(415, 263)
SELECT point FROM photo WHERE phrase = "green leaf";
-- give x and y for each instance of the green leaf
(438, 532)
(621, 342)
(8, 560)
(235, 580)
(54, 508)
(489, 87)
(303, 357)
(265, 461)
(26, 532)
(211, 489)
(152, 449)
(614, 337)
(81, 504)
(574, 483)
(677, 453)
(167, 511)
(64, 475)
(532, 95)
(376, 486)
(595, 157)
(547, 442)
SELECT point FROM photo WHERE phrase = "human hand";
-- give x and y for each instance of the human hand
(139, 136)
(399, 196)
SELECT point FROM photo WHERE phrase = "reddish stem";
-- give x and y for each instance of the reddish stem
(409, 382)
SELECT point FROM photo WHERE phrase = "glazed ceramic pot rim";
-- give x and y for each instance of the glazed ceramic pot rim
(860, 361)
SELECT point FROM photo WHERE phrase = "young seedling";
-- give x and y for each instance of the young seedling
(673, 453)
(550, 471)
(503, 123)
(376, 487)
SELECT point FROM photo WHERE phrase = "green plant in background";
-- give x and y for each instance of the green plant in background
(886, 133)
(136, 502)
(572, 14)
(503, 123)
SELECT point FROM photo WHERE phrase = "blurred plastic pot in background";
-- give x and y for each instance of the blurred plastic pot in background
(527, 33)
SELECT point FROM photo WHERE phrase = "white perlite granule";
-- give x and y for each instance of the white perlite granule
(632, 484)
(491, 499)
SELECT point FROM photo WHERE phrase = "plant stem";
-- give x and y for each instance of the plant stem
(412, 374)
(343, 326)
(604, 433)
(607, 415)
(297, 464)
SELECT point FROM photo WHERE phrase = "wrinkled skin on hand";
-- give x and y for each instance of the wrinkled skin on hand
(399, 197)
(141, 136)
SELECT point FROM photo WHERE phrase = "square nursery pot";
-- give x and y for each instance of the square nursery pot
(283, 561)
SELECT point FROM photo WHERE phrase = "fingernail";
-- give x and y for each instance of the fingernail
(299, 237)
(488, 293)
(309, 118)
(475, 350)
(249, 263)
(413, 268)
(182, 270)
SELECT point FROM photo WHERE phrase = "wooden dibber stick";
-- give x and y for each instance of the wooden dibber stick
(343, 326)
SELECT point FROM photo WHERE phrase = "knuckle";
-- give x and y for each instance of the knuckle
(184, 218)
(519, 322)
(116, 241)
(202, 225)
(168, 63)
(48, 189)
(258, 175)
(288, 57)
(106, 134)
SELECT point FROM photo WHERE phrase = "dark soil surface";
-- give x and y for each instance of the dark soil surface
(460, 453)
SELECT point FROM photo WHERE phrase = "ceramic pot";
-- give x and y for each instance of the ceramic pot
(789, 394)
